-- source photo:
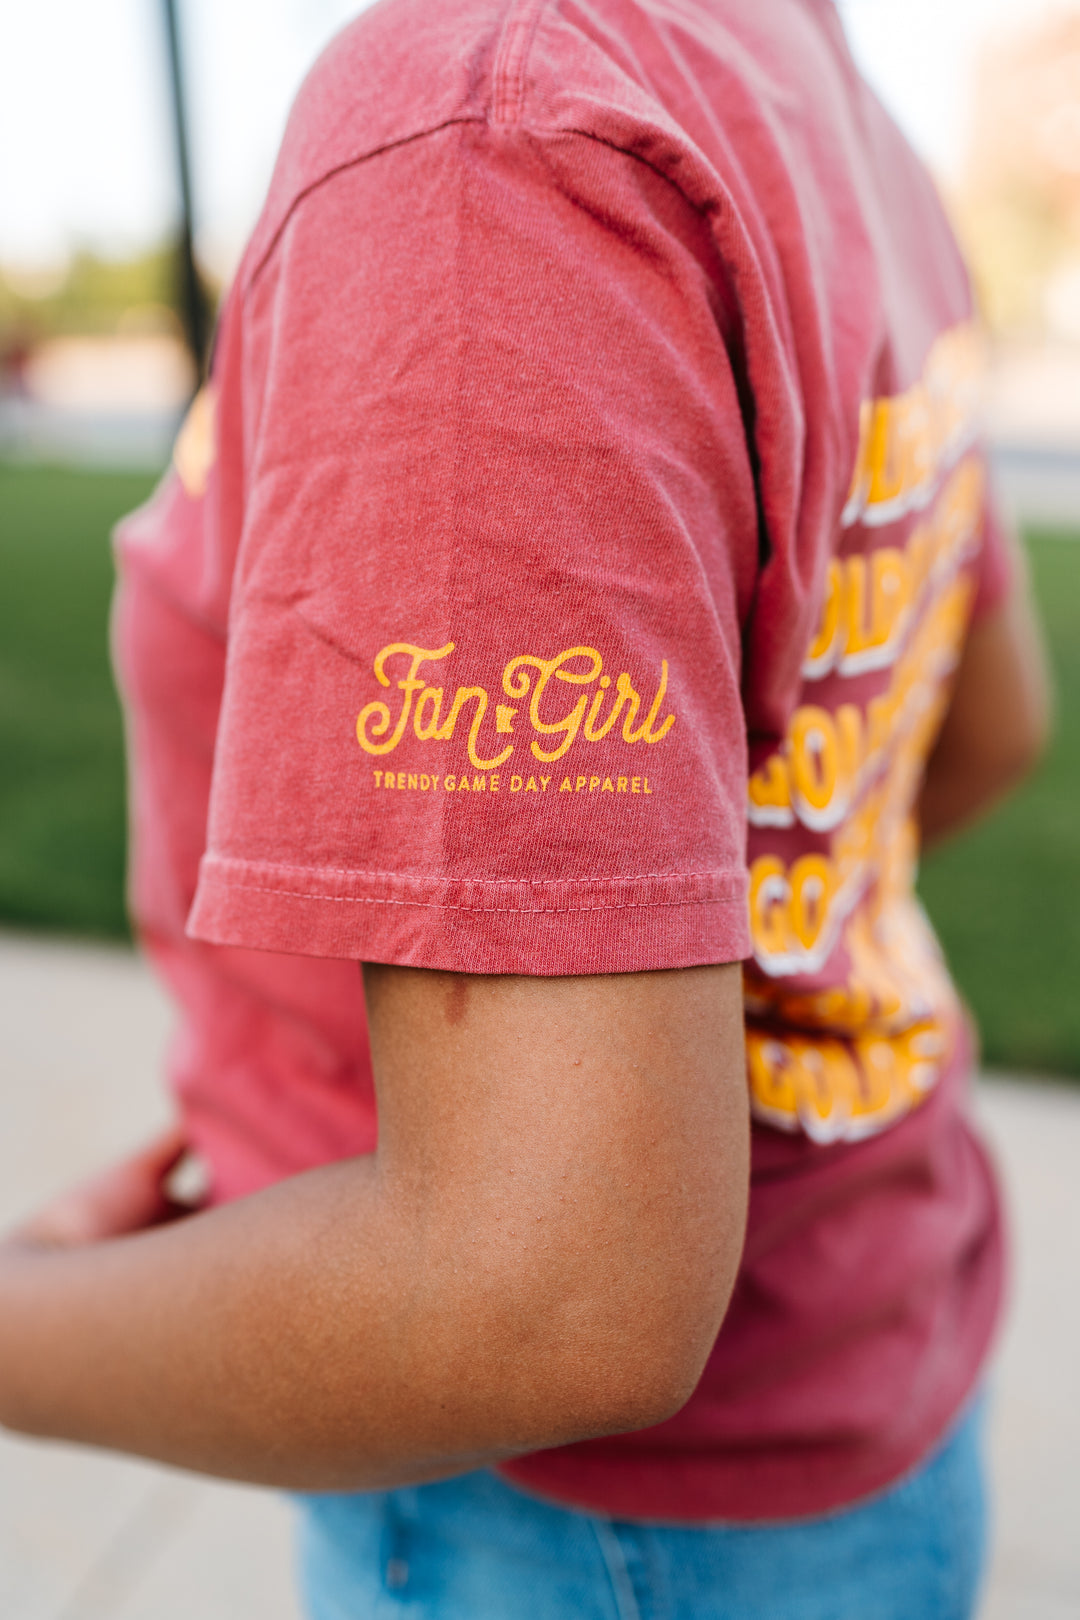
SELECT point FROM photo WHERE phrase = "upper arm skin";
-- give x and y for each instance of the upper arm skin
(570, 1156)
(997, 722)
(540, 1250)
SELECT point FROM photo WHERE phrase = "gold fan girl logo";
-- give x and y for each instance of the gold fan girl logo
(594, 715)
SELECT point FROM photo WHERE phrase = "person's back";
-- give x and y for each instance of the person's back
(572, 588)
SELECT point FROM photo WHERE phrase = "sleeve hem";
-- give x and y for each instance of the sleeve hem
(562, 926)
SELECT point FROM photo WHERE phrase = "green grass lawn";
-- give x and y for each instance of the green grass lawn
(61, 749)
(1006, 899)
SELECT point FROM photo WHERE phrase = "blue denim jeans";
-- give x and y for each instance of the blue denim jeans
(474, 1548)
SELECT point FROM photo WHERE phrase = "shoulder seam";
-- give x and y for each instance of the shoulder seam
(526, 128)
(703, 210)
(256, 269)
(507, 102)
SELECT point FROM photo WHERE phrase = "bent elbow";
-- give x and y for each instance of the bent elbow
(637, 1366)
(650, 1390)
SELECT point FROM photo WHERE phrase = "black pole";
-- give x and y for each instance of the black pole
(193, 311)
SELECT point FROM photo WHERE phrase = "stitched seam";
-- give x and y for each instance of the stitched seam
(438, 905)
(703, 210)
(622, 1587)
(512, 61)
(340, 168)
(411, 877)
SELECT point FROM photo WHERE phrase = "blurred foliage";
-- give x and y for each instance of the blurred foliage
(91, 295)
(1005, 898)
(1017, 206)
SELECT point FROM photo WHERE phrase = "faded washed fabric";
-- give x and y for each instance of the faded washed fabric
(474, 1548)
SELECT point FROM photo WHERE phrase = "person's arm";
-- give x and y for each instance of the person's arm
(997, 723)
(542, 1249)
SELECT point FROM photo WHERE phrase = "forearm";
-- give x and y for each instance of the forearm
(290, 1339)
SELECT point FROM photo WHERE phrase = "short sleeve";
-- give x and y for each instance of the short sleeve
(482, 698)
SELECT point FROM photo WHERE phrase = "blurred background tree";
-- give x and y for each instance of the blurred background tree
(1018, 202)
(91, 294)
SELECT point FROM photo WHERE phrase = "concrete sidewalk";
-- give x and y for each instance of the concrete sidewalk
(90, 1537)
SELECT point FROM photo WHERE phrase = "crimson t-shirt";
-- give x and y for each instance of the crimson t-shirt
(563, 573)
